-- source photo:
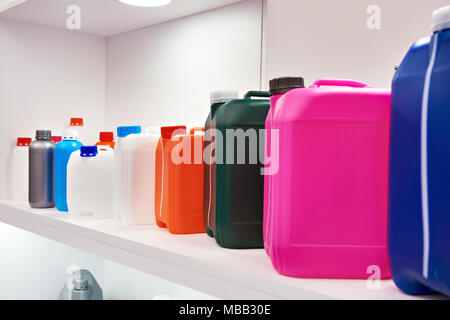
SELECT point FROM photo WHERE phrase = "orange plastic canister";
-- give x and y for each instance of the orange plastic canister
(179, 180)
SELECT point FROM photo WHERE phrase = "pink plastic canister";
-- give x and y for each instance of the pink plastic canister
(326, 179)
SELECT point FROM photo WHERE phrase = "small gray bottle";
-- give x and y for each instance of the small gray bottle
(42, 171)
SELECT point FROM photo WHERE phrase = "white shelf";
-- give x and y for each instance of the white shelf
(195, 261)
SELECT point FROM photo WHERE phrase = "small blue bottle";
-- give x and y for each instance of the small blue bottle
(63, 151)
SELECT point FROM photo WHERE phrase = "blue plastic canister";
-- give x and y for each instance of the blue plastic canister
(63, 151)
(419, 182)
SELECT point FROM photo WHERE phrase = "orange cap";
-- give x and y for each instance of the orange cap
(106, 136)
(23, 142)
(76, 122)
(167, 132)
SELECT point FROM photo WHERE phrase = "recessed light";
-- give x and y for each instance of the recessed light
(146, 3)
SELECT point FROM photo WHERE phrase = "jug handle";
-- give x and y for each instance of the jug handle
(260, 94)
(192, 131)
(339, 83)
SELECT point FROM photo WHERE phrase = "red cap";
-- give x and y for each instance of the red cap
(106, 136)
(167, 132)
(24, 142)
(76, 122)
(56, 139)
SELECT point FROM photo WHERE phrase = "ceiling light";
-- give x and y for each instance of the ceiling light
(146, 3)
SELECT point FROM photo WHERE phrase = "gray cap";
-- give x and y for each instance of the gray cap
(43, 134)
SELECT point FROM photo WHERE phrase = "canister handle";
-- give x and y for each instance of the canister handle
(339, 83)
(260, 94)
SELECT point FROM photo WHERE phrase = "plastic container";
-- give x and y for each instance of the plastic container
(135, 165)
(327, 204)
(41, 188)
(238, 217)
(218, 99)
(63, 150)
(278, 87)
(419, 203)
(179, 180)
(79, 125)
(106, 139)
(90, 181)
(20, 170)
(119, 175)
(163, 158)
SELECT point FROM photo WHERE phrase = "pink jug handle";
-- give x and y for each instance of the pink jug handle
(339, 83)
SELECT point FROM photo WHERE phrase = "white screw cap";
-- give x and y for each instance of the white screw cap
(441, 19)
(70, 135)
(223, 96)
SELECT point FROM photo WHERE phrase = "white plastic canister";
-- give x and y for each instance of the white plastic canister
(90, 181)
(135, 177)
(19, 172)
(119, 175)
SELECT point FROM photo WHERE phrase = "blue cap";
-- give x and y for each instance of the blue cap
(88, 151)
(124, 131)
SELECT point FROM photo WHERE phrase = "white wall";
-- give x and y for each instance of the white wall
(329, 38)
(163, 74)
(46, 76)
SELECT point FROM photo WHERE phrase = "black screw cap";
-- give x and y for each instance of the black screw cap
(285, 84)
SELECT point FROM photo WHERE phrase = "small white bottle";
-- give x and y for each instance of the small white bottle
(19, 183)
(78, 125)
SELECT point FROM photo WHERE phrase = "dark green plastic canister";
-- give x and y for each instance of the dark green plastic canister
(239, 184)
(218, 99)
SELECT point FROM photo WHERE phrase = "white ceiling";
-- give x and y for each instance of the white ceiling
(105, 17)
